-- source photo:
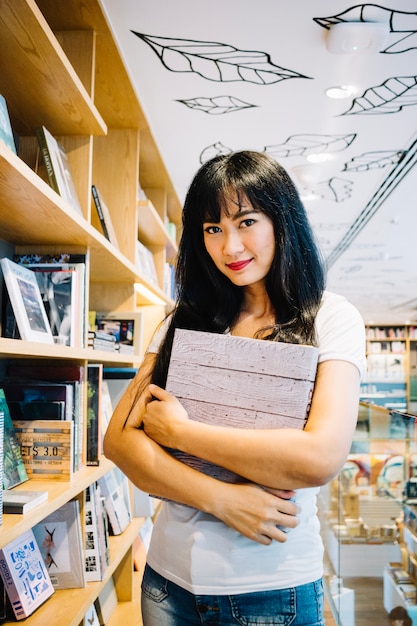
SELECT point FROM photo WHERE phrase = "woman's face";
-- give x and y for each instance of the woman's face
(242, 245)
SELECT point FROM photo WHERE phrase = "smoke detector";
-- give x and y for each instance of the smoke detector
(357, 37)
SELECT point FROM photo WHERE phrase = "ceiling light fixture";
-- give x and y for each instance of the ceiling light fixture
(356, 37)
(320, 157)
(338, 93)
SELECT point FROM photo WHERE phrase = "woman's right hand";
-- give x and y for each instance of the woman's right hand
(257, 513)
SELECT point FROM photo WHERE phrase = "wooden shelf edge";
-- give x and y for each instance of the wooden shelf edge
(151, 229)
(59, 492)
(57, 74)
(69, 606)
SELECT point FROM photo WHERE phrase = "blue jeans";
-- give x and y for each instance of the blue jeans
(166, 604)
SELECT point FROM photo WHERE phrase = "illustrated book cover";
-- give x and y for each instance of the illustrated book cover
(240, 382)
(25, 575)
(60, 541)
(14, 470)
(27, 303)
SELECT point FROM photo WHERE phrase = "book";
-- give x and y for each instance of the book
(95, 567)
(106, 602)
(104, 217)
(24, 575)
(126, 327)
(57, 167)
(1, 471)
(47, 448)
(71, 375)
(145, 262)
(6, 132)
(91, 617)
(34, 410)
(62, 284)
(60, 541)
(94, 382)
(17, 502)
(14, 470)
(27, 303)
(115, 489)
(240, 382)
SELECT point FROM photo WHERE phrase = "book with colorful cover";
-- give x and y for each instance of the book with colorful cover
(14, 470)
(25, 575)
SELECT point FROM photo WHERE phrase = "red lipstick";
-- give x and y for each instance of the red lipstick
(238, 265)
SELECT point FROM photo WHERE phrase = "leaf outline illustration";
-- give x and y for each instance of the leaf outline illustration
(218, 105)
(388, 97)
(304, 144)
(373, 160)
(216, 61)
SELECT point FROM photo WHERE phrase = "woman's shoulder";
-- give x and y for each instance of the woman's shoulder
(333, 303)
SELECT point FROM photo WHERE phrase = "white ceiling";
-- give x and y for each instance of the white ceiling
(223, 75)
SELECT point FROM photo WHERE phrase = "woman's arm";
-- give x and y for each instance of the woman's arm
(249, 509)
(285, 458)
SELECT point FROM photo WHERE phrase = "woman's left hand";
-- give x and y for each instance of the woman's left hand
(164, 417)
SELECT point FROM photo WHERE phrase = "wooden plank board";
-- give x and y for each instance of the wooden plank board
(240, 382)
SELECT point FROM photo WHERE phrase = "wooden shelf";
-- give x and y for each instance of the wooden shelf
(51, 93)
(151, 229)
(29, 349)
(42, 218)
(59, 492)
(62, 70)
(68, 606)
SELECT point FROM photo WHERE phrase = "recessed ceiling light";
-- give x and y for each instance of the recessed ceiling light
(338, 93)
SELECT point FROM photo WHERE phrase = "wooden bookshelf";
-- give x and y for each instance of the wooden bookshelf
(398, 343)
(62, 69)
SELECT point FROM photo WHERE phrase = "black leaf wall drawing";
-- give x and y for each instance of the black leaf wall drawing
(389, 97)
(335, 189)
(302, 145)
(399, 22)
(216, 149)
(218, 105)
(373, 160)
(217, 61)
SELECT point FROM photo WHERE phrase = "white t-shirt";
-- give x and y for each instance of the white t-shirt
(204, 556)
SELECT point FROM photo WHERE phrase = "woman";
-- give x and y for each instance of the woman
(246, 553)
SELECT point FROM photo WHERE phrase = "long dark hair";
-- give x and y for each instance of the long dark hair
(207, 300)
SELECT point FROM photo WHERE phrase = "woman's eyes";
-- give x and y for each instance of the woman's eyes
(248, 222)
(212, 230)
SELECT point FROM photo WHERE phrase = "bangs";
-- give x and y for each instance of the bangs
(223, 203)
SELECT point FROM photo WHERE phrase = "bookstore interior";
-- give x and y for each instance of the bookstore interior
(87, 257)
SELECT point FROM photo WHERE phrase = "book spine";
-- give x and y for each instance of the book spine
(100, 211)
(47, 159)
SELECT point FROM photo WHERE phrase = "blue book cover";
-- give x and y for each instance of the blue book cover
(24, 575)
